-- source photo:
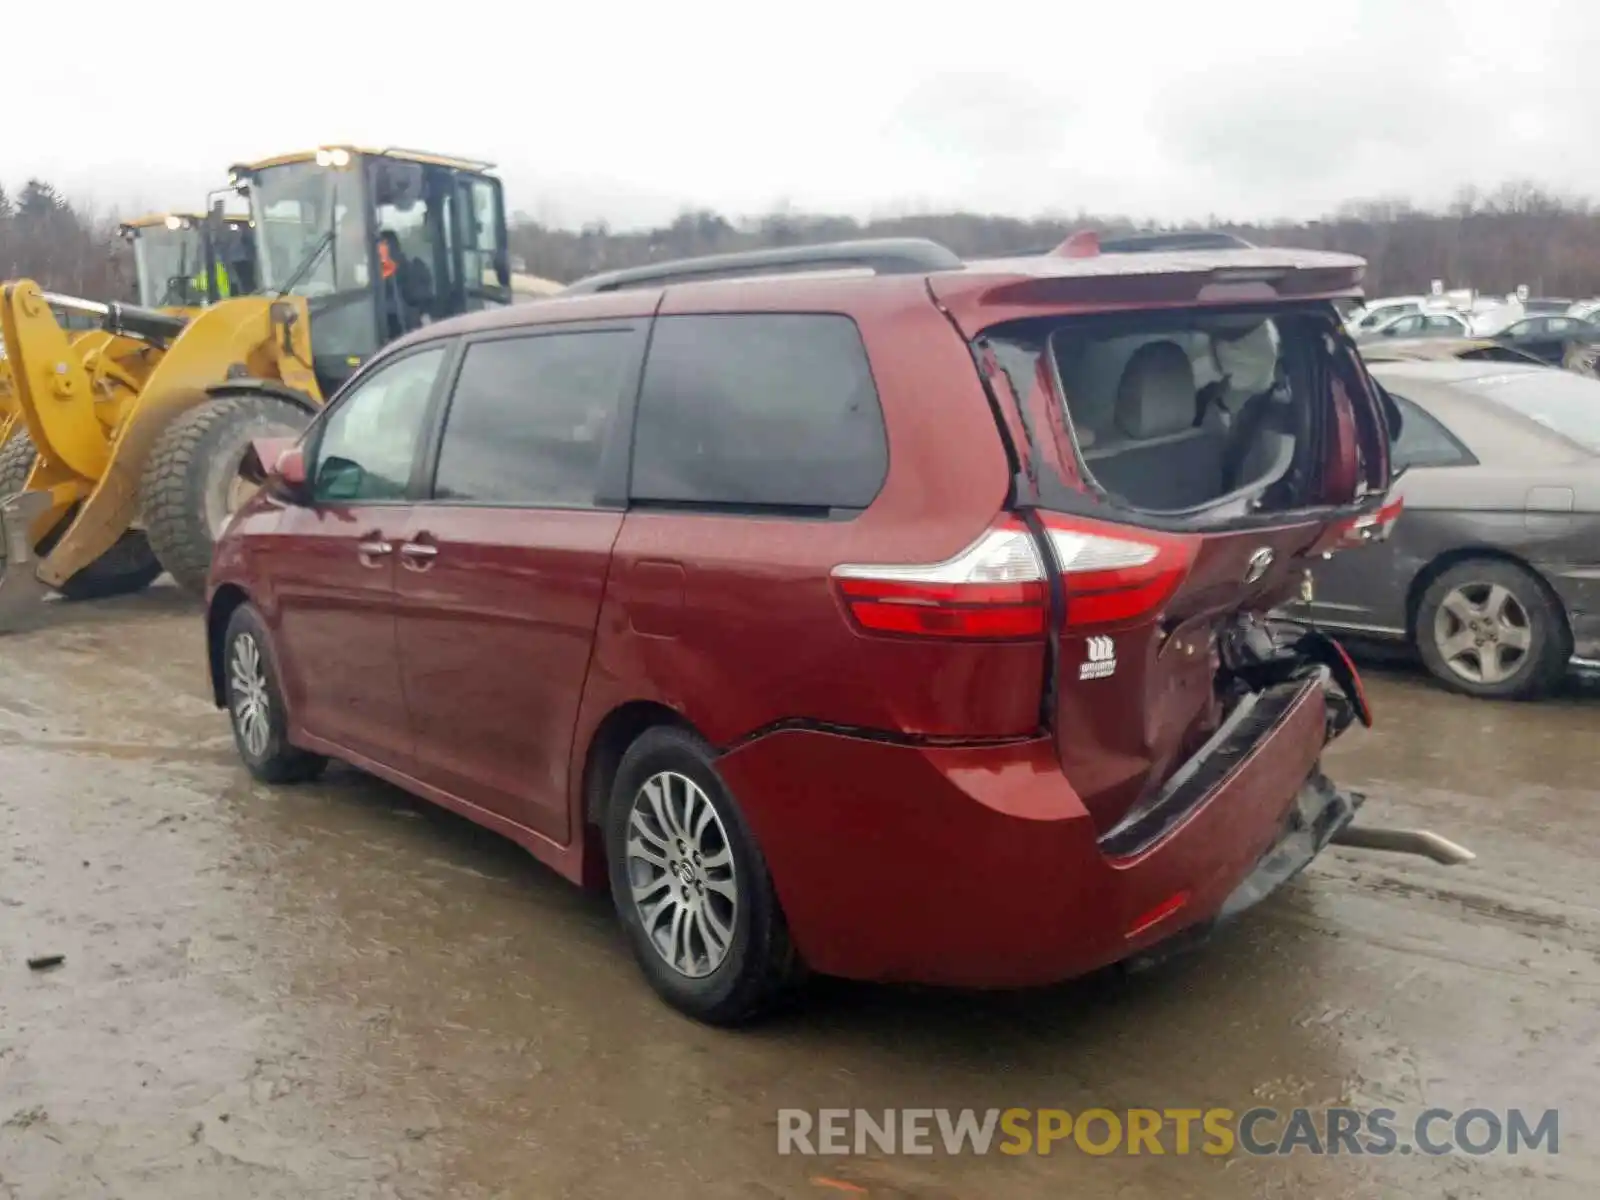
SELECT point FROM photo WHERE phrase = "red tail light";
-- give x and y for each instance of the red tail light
(993, 590)
(1112, 573)
(996, 588)
(1373, 527)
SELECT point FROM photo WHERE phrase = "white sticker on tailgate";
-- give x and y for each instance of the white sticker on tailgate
(1101, 660)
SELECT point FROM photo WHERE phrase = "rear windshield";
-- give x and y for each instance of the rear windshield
(1187, 412)
(1563, 401)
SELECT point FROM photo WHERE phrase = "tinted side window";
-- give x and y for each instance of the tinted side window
(1424, 442)
(369, 442)
(529, 416)
(759, 410)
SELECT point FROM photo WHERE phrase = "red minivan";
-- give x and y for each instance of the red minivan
(854, 609)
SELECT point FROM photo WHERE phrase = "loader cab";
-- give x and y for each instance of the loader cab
(378, 242)
(183, 261)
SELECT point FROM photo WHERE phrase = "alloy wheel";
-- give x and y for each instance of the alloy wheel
(252, 704)
(1483, 632)
(681, 874)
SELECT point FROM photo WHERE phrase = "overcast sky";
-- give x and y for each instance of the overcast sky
(1164, 110)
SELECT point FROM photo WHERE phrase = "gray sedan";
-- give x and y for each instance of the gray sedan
(1492, 571)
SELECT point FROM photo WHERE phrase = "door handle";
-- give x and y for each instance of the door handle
(372, 548)
(418, 556)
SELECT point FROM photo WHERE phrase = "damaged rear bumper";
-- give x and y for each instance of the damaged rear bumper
(1319, 813)
(1322, 815)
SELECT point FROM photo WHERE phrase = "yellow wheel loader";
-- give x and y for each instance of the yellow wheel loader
(133, 438)
(190, 260)
(181, 261)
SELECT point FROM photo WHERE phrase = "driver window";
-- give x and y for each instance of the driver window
(370, 440)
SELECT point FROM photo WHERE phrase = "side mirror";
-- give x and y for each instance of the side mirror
(291, 467)
(288, 480)
(286, 477)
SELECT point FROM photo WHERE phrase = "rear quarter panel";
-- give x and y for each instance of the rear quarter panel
(732, 620)
(1459, 511)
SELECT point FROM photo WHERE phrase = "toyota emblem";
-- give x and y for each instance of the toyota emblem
(1258, 564)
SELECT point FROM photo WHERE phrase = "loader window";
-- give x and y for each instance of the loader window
(309, 221)
(169, 262)
(313, 237)
(406, 198)
(484, 251)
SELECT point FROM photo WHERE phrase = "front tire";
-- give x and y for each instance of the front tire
(191, 481)
(256, 707)
(690, 884)
(1489, 628)
(129, 566)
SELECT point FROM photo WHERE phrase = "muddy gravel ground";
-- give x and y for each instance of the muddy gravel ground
(333, 991)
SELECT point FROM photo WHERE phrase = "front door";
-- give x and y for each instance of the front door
(334, 563)
(501, 571)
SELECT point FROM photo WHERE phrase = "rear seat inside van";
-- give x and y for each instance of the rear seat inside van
(1158, 421)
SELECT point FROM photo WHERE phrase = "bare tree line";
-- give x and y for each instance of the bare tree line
(65, 248)
(1518, 234)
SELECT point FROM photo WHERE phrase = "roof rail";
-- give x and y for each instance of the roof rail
(883, 256)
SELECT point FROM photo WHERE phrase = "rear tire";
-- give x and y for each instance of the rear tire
(188, 486)
(1489, 628)
(129, 566)
(690, 884)
(256, 708)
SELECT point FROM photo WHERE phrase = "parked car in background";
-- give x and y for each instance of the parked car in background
(1492, 572)
(906, 622)
(1422, 324)
(1545, 306)
(1547, 338)
(1436, 349)
(1380, 311)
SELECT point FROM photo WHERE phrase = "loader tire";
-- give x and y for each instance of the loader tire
(129, 566)
(16, 463)
(189, 479)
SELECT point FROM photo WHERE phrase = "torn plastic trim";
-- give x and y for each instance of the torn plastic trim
(1252, 721)
(1319, 814)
